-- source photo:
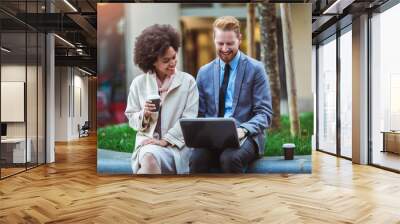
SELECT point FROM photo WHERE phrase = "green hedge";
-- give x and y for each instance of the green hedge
(303, 142)
(116, 137)
(122, 137)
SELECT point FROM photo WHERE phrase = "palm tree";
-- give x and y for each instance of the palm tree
(289, 67)
(269, 55)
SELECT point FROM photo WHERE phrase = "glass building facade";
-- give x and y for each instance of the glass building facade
(335, 60)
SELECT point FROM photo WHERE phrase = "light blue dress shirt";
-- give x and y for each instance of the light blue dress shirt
(231, 83)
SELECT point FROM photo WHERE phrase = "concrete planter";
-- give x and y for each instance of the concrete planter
(112, 162)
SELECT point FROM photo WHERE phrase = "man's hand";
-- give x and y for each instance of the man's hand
(154, 141)
(241, 133)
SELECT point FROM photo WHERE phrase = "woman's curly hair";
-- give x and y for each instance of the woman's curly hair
(152, 43)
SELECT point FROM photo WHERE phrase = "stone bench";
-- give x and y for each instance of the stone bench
(112, 162)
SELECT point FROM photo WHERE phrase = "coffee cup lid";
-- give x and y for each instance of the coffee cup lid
(153, 96)
(288, 145)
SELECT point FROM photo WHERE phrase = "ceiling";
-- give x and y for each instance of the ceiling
(331, 15)
(76, 22)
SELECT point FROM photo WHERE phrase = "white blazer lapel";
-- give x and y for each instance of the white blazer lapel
(151, 84)
(176, 82)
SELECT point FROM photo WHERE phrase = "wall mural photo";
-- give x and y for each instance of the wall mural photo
(204, 88)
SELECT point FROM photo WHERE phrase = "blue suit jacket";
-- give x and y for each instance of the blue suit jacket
(251, 107)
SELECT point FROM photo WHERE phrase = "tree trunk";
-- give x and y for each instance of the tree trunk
(269, 55)
(289, 67)
(251, 21)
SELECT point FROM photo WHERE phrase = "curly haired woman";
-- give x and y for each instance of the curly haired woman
(159, 147)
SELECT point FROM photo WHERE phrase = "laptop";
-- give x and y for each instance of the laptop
(211, 133)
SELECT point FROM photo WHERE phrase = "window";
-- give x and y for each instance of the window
(385, 88)
(327, 96)
(22, 68)
(346, 94)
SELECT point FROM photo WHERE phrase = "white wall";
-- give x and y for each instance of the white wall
(69, 82)
(80, 100)
(302, 45)
(61, 103)
(33, 126)
(151, 14)
(16, 73)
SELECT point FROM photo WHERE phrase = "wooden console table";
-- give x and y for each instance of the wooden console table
(391, 141)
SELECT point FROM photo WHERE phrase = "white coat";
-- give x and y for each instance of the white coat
(181, 101)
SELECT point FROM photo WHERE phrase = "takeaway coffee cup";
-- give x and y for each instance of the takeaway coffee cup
(155, 99)
(288, 150)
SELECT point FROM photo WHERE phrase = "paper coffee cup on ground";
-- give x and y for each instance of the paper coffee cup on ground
(155, 99)
(288, 150)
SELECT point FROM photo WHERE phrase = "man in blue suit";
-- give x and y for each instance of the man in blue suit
(236, 86)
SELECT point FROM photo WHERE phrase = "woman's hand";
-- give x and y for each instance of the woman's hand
(154, 141)
(149, 108)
